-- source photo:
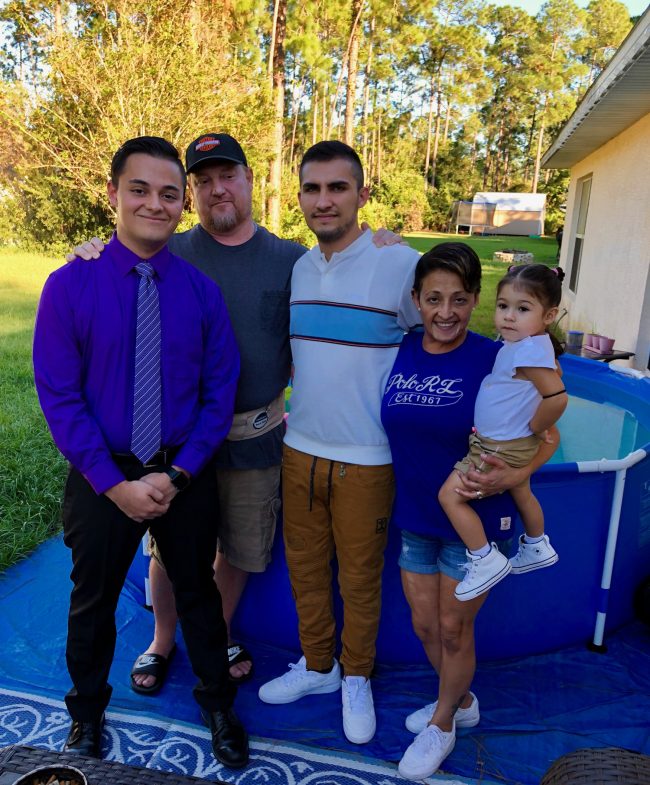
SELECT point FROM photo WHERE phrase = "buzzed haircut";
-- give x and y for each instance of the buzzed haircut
(329, 151)
(155, 146)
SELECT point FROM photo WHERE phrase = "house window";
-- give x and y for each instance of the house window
(582, 198)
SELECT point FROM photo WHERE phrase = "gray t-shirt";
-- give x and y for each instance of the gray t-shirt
(255, 278)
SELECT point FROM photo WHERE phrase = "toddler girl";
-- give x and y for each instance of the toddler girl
(516, 404)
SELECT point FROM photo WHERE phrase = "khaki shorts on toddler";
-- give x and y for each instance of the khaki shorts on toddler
(515, 452)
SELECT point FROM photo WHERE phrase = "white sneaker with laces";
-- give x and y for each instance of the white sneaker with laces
(427, 751)
(465, 718)
(298, 682)
(359, 723)
(533, 556)
(482, 574)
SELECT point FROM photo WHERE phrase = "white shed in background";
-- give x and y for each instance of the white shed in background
(515, 213)
(500, 213)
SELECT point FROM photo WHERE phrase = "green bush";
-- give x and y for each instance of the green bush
(401, 193)
(293, 226)
(52, 216)
(378, 215)
(556, 193)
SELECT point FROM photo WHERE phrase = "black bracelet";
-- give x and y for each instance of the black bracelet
(552, 395)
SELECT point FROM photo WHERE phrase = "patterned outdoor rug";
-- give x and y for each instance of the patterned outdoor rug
(152, 743)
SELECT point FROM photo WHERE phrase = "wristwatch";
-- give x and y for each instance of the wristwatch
(180, 481)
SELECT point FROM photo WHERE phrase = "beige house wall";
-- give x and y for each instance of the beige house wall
(613, 288)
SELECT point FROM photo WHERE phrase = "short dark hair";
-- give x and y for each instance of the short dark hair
(457, 258)
(328, 151)
(155, 146)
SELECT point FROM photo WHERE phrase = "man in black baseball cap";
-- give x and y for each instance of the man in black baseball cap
(222, 189)
(213, 147)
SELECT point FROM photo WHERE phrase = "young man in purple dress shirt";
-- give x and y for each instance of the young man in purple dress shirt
(85, 363)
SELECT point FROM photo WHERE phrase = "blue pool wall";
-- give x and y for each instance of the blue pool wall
(528, 614)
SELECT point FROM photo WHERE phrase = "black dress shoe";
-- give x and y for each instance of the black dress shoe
(84, 738)
(229, 739)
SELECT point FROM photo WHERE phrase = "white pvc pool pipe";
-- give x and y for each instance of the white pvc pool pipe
(620, 466)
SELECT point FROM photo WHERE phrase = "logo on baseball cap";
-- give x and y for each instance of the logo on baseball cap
(213, 147)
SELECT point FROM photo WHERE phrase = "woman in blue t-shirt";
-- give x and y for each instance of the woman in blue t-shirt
(428, 411)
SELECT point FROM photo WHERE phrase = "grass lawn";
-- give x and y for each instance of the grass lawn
(33, 472)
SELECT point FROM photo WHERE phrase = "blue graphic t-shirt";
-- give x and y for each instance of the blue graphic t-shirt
(428, 412)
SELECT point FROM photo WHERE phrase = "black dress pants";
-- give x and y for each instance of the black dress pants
(103, 542)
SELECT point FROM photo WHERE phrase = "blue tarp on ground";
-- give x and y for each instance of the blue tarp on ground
(533, 709)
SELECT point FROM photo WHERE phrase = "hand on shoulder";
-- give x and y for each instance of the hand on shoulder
(384, 237)
(91, 249)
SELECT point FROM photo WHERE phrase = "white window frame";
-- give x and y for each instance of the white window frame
(581, 213)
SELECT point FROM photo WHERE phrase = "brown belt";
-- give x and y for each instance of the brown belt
(248, 425)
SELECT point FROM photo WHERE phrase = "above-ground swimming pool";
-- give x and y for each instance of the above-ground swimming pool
(608, 418)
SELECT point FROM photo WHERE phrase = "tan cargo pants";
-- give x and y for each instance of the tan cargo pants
(335, 508)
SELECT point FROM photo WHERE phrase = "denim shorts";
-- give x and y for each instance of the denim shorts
(429, 555)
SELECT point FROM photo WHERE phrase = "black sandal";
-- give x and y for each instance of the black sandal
(151, 665)
(236, 654)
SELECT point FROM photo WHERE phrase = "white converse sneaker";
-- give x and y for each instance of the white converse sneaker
(428, 750)
(359, 723)
(465, 718)
(482, 574)
(298, 682)
(533, 556)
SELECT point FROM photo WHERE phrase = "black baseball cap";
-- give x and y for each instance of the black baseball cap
(213, 147)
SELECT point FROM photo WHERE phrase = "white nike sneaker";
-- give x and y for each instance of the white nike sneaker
(359, 723)
(426, 753)
(298, 682)
(465, 718)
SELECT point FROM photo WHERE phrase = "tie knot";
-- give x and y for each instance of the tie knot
(145, 269)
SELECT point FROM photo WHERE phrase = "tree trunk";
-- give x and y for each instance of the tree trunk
(275, 171)
(353, 65)
(379, 149)
(427, 157)
(498, 160)
(538, 155)
(296, 114)
(314, 109)
(58, 20)
(445, 133)
(436, 143)
(274, 26)
(366, 96)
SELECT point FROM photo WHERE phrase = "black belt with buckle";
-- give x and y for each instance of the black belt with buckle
(160, 458)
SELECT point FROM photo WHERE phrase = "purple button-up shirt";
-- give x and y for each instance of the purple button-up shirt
(84, 355)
